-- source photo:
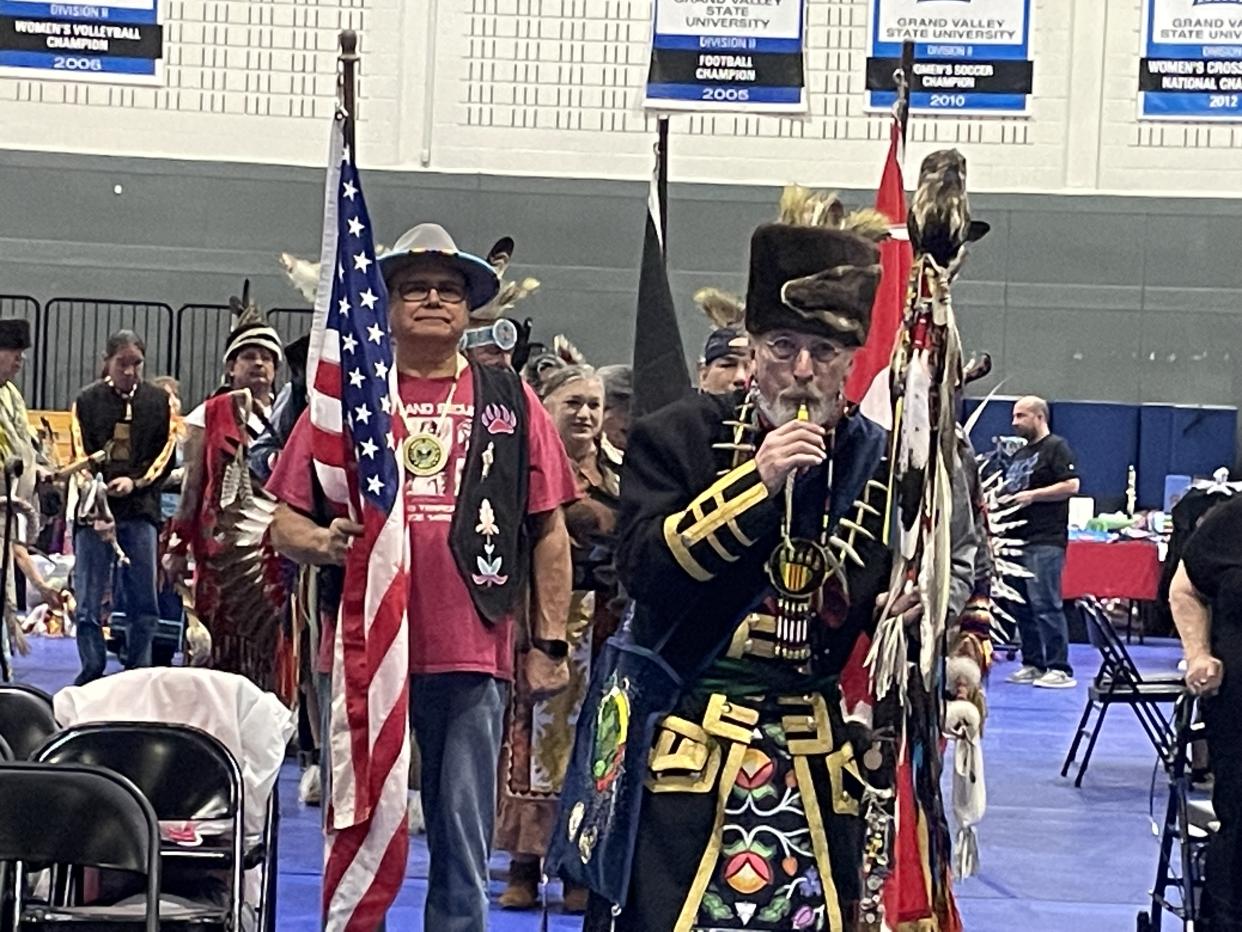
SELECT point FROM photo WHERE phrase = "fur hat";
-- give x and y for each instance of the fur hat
(816, 269)
(14, 333)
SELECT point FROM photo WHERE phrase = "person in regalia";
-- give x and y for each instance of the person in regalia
(539, 733)
(726, 774)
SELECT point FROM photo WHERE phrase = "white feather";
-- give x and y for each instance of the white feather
(302, 273)
(916, 423)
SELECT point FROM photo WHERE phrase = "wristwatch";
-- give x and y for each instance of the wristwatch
(557, 650)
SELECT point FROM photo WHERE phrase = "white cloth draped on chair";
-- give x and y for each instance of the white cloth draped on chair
(254, 725)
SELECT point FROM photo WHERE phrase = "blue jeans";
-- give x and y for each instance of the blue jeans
(1045, 632)
(458, 722)
(92, 571)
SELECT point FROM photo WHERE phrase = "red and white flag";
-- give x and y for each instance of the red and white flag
(353, 398)
(868, 381)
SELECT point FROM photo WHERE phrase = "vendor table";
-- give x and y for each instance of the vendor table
(1127, 569)
(1123, 569)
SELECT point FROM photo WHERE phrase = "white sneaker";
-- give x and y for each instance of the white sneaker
(1056, 679)
(310, 790)
(1026, 674)
(415, 821)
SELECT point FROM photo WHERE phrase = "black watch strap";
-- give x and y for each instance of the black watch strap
(557, 650)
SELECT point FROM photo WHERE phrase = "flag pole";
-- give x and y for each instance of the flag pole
(904, 76)
(348, 84)
(662, 179)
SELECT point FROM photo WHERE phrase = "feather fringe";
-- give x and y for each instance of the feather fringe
(806, 207)
(720, 307)
(510, 294)
(868, 223)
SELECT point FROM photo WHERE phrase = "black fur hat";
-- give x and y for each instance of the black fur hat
(816, 270)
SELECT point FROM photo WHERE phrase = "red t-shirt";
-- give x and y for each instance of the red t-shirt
(446, 633)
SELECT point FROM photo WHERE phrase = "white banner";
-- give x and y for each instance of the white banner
(727, 55)
(971, 56)
(1191, 66)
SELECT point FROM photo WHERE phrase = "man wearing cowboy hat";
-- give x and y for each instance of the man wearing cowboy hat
(480, 447)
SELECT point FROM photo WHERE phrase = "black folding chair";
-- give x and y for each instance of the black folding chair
(81, 816)
(26, 718)
(188, 776)
(1189, 824)
(1119, 682)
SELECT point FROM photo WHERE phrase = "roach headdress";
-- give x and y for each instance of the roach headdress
(250, 328)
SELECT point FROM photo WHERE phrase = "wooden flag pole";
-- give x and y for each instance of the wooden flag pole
(348, 85)
(904, 76)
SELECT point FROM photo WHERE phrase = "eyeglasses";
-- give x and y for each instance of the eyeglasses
(417, 292)
(784, 349)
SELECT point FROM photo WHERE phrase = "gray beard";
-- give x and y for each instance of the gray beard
(781, 411)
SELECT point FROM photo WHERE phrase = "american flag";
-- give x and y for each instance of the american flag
(352, 405)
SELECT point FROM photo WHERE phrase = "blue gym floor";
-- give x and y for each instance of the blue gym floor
(1054, 858)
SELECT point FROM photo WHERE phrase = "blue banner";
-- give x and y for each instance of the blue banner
(1191, 67)
(971, 56)
(119, 42)
(707, 55)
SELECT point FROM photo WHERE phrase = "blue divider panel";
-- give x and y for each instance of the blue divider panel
(1104, 436)
(1174, 439)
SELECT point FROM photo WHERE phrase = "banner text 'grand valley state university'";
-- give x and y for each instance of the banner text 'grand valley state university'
(1191, 65)
(971, 56)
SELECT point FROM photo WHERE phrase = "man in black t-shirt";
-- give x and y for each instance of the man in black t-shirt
(1042, 478)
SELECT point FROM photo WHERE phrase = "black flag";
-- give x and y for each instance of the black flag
(660, 373)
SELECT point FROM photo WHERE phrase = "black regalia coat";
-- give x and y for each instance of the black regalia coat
(691, 711)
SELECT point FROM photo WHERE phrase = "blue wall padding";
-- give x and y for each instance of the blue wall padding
(1194, 441)
(1104, 436)
(1107, 437)
(1155, 453)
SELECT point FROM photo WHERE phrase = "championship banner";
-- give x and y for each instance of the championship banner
(1192, 60)
(113, 42)
(971, 56)
(735, 55)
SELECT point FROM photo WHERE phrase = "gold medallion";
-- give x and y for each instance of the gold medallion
(424, 454)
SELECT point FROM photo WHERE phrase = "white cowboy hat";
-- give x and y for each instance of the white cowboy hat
(431, 239)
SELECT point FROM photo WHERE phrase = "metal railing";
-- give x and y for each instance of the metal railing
(68, 337)
(26, 308)
(75, 331)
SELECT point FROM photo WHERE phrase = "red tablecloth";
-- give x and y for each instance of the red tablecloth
(1117, 570)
